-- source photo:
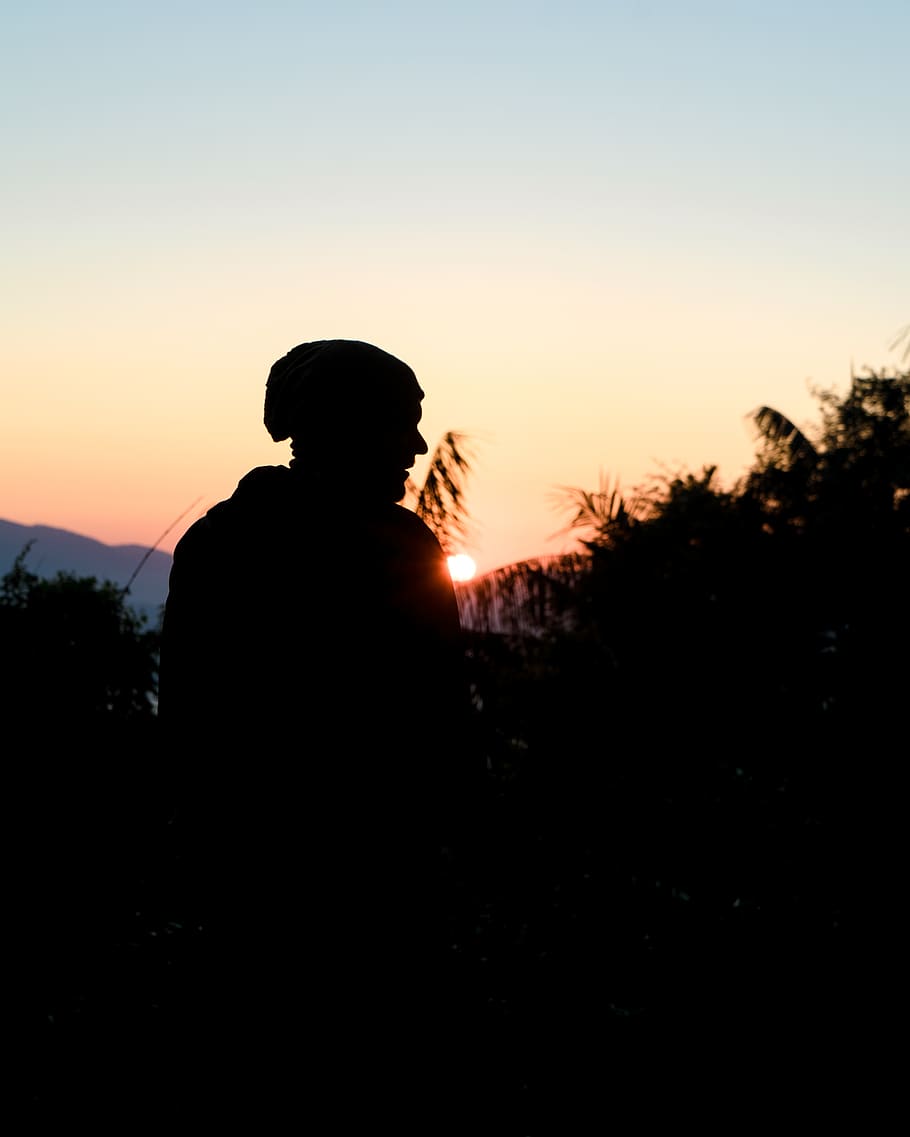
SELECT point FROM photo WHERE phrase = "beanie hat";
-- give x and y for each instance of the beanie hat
(312, 377)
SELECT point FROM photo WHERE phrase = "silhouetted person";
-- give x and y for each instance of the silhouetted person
(313, 705)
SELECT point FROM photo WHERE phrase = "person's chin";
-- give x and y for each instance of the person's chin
(393, 489)
(398, 485)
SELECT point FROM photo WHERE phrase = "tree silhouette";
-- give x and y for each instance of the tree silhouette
(440, 501)
(692, 727)
(74, 653)
(698, 714)
(87, 789)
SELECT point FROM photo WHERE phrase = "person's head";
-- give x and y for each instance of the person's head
(351, 411)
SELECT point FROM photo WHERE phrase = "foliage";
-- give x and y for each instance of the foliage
(605, 513)
(440, 501)
(533, 598)
(84, 784)
(819, 526)
(689, 729)
(856, 469)
(73, 651)
(700, 734)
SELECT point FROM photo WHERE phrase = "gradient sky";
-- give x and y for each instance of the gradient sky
(601, 233)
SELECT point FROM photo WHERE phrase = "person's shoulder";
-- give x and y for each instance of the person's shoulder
(412, 528)
(263, 480)
(193, 538)
(261, 486)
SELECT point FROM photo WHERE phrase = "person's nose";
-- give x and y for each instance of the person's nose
(420, 443)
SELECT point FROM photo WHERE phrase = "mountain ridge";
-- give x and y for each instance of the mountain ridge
(56, 550)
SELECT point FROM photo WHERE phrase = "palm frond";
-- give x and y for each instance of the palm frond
(903, 334)
(529, 598)
(600, 512)
(777, 429)
(440, 502)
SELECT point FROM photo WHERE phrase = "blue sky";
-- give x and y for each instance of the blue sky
(600, 232)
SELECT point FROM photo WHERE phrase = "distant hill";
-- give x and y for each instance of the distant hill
(58, 550)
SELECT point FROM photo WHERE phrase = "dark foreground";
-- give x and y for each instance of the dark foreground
(682, 943)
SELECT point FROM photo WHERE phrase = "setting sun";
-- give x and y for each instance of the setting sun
(461, 566)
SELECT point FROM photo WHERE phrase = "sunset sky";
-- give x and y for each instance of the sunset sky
(601, 233)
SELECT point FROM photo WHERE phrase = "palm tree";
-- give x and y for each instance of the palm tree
(529, 598)
(779, 432)
(440, 501)
(606, 513)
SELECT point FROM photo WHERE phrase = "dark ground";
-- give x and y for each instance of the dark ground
(682, 943)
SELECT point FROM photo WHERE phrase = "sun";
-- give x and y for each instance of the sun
(461, 566)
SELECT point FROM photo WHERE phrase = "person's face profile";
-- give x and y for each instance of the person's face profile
(388, 444)
(360, 428)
